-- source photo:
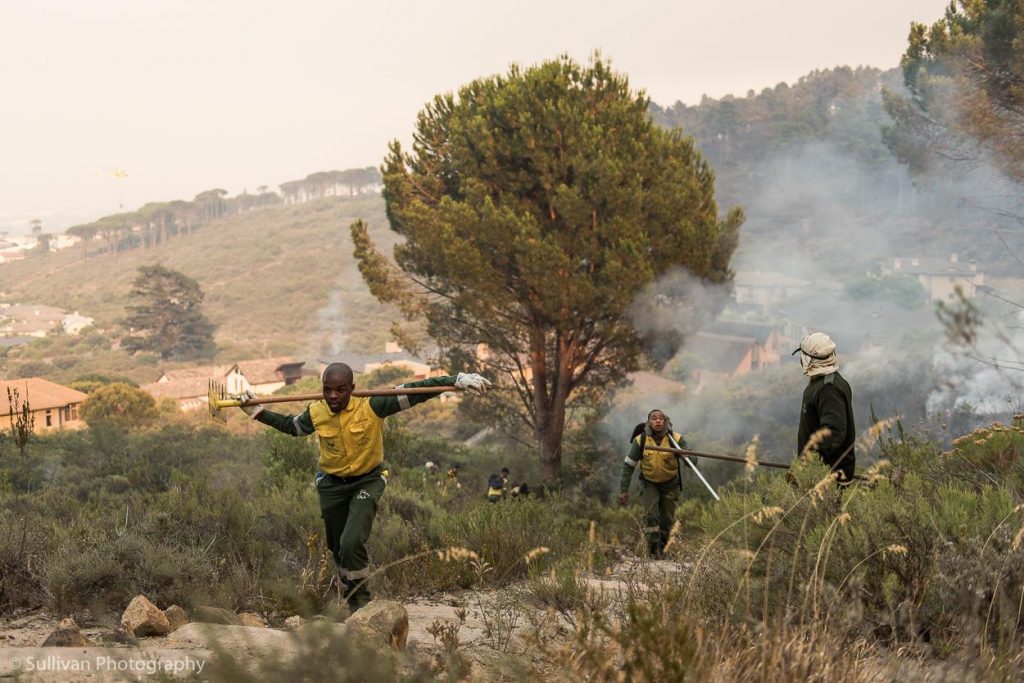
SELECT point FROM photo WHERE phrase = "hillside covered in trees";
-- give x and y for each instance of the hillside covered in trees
(278, 280)
(822, 190)
(156, 222)
(541, 227)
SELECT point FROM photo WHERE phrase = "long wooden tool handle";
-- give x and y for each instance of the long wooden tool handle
(730, 458)
(717, 456)
(260, 400)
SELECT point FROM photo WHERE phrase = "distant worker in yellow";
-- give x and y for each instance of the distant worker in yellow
(497, 486)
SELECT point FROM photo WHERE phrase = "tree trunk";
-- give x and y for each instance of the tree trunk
(549, 438)
(549, 407)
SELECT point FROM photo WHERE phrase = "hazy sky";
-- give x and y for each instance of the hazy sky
(187, 95)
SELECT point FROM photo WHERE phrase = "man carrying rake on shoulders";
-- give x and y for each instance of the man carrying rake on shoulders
(350, 477)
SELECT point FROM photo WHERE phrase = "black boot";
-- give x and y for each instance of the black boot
(357, 595)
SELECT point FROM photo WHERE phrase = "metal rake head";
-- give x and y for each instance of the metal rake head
(216, 394)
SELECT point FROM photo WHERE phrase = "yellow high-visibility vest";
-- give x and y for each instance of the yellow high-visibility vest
(657, 466)
(351, 441)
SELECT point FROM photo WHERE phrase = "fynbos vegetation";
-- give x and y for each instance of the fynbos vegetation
(552, 231)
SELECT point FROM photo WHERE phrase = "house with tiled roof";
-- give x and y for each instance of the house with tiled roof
(73, 323)
(759, 290)
(25, 322)
(190, 386)
(29, 320)
(721, 356)
(418, 366)
(267, 375)
(53, 405)
(939, 277)
(774, 344)
(13, 254)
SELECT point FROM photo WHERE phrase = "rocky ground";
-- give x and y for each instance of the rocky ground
(493, 633)
(34, 646)
(490, 630)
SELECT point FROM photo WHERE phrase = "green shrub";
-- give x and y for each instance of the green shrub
(182, 514)
(120, 405)
(32, 368)
(406, 540)
(92, 381)
(23, 541)
(655, 639)
(288, 457)
(926, 556)
(563, 588)
(82, 571)
(504, 533)
(904, 290)
(386, 376)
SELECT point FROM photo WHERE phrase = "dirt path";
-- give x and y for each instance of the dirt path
(186, 652)
(493, 632)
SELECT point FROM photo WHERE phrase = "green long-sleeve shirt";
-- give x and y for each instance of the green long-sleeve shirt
(351, 440)
(383, 406)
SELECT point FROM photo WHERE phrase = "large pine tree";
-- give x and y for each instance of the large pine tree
(535, 207)
(964, 106)
(165, 315)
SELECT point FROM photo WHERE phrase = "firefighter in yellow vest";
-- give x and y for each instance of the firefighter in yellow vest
(497, 486)
(350, 477)
(659, 476)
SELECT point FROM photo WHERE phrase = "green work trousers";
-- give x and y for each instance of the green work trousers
(659, 502)
(348, 506)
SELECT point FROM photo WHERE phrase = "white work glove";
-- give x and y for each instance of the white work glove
(251, 411)
(472, 382)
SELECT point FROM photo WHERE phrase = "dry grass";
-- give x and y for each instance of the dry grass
(278, 280)
(904, 580)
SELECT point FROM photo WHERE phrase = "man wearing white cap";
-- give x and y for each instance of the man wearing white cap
(827, 404)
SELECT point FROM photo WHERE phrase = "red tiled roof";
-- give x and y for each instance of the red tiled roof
(41, 394)
(264, 370)
(203, 372)
(179, 388)
(719, 352)
(182, 383)
(650, 383)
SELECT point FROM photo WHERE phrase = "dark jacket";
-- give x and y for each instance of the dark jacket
(828, 402)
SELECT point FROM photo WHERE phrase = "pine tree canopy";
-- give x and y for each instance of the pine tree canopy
(165, 315)
(965, 102)
(535, 206)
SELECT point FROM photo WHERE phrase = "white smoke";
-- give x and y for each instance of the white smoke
(819, 214)
(676, 306)
(988, 377)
